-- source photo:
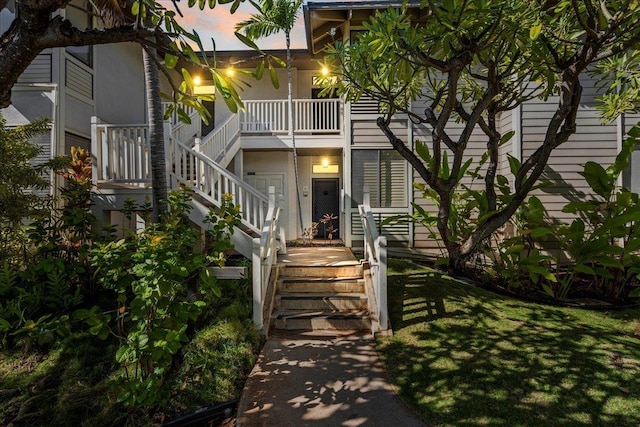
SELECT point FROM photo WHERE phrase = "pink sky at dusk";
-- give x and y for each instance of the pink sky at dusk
(219, 23)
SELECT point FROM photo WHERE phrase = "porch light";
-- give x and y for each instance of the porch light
(230, 72)
(197, 80)
(324, 70)
(325, 167)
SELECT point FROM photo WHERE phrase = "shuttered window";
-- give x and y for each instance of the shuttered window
(384, 172)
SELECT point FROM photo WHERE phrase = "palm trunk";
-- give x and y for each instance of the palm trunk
(292, 133)
(156, 134)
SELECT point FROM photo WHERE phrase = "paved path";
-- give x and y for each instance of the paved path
(320, 379)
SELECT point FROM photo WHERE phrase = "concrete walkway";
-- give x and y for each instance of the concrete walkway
(320, 379)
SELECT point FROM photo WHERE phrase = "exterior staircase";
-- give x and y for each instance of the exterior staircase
(321, 298)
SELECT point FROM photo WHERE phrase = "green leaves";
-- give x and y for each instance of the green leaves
(154, 274)
(535, 30)
(598, 179)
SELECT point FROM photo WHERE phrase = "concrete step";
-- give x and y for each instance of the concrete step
(325, 320)
(324, 272)
(322, 301)
(309, 284)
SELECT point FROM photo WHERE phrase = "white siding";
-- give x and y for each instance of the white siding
(592, 141)
(78, 78)
(39, 71)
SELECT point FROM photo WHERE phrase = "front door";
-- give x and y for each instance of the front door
(326, 201)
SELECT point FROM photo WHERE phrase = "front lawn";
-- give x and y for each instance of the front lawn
(464, 356)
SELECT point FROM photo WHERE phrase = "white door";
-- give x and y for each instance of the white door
(262, 182)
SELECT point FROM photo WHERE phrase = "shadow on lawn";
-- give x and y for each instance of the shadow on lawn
(462, 356)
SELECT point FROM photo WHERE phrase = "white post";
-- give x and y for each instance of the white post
(168, 155)
(381, 250)
(366, 196)
(257, 284)
(196, 145)
(272, 197)
(283, 234)
(96, 147)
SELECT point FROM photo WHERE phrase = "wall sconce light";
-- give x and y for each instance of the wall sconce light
(324, 70)
(325, 162)
(230, 72)
(197, 80)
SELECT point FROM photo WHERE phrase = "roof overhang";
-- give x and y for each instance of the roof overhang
(325, 21)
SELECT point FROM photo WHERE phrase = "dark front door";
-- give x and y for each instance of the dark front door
(326, 201)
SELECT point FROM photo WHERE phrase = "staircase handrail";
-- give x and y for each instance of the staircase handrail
(184, 131)
(216, 143)
(375, 252)
(211, 181)
(265, 251)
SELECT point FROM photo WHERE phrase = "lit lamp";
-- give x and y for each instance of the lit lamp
(325, 167)
(203, 87)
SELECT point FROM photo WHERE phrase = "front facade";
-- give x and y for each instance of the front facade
(95, 95)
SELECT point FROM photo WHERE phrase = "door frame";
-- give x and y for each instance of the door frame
(336, 180)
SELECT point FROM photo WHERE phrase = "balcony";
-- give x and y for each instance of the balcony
(311, 116)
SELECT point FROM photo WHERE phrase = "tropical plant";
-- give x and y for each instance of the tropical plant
(160, 284)
(603, 241)
(470, 62)
(20, 183)
(276, 16)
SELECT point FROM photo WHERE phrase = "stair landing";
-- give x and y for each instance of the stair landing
(318, 256)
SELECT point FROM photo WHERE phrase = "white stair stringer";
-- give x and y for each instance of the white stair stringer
(242, 242)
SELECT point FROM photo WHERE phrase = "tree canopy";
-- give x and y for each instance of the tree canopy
(37, 26)
(470, 62)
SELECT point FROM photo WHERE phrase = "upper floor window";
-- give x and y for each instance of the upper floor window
(81, 18)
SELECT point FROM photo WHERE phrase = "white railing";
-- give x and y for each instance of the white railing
(219, 141)
(184, 131)
(375, 252)
(265, 251)
(209, 180)
(120, 153)
(310, 116)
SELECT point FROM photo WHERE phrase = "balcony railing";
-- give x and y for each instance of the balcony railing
(314, 116)
(121, 153)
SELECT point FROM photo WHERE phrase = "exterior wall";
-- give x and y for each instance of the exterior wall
(276, 163)
(631, 177)
(120, 91)
(476, 147)
(28, 104)
(592, 141)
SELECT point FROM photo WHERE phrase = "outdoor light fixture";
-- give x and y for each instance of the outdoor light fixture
(325, 70)
(197, 80)
(325, 167)
(230, 72)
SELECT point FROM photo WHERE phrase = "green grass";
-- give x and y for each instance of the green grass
(462, 356)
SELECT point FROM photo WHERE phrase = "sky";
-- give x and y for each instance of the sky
(218, 23)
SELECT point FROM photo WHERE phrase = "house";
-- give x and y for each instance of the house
(69, 86)
(339, 147)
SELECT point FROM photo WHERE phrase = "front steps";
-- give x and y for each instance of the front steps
(321, 298)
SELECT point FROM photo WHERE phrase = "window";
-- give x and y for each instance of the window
(384, 172)
(82, 19)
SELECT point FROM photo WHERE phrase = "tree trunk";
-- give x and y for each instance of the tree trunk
(156, 134)
(292, 130)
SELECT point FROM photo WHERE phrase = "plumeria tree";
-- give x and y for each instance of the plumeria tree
(471, 62)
